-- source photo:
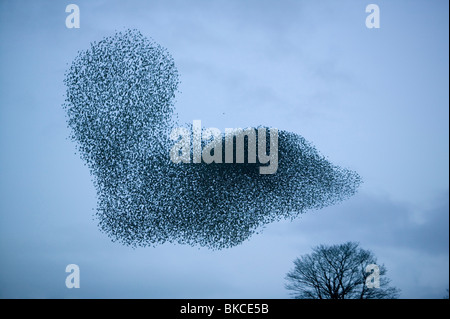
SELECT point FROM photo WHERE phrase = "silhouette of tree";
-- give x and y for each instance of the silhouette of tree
(339, 272)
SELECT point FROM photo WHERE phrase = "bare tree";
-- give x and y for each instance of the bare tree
(339, 272)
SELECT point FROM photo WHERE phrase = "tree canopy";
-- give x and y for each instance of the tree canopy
(343, 271)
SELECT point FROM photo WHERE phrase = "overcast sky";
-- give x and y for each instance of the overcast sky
(372, 100)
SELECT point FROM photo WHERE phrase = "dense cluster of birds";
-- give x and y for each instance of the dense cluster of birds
(120, 109)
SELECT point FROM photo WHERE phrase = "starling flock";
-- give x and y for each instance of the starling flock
(120, 109)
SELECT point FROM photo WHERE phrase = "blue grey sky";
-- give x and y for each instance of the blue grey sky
(372, 100)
